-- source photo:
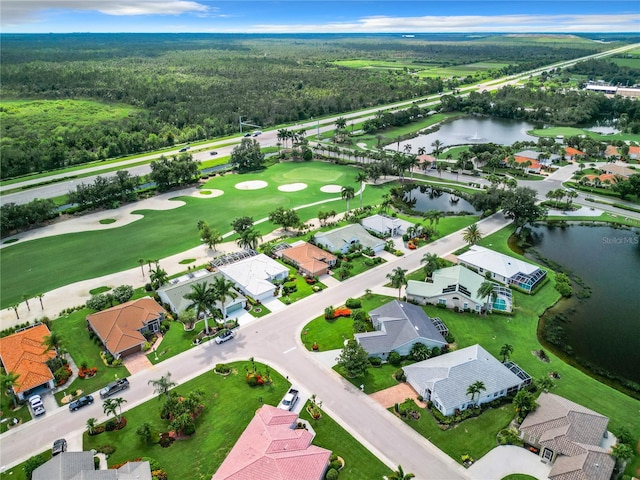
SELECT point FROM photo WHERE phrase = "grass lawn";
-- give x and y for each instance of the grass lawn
(176, 340)
(17, 472)
(359, 266)
(359, 463)
(258, 311)
(474, 436)
(8, 413)
(572, 132)
(518, 476)
(376, 378)
(303, 289)
(73, 331)
(68, 258)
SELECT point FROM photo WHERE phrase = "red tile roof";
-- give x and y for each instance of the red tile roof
(271, 448)
(310, 258)
(634, 150)
(118, 327)
(573, 151)
(535, 165)
(23, 353)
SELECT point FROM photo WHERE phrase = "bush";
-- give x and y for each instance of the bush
(222, 368)
(375, 361)
(353, 303)
(332, 474)
(110, 426)
(106, 449)
(159, 475)
(394, 358)
(400, 376)
(153, 463)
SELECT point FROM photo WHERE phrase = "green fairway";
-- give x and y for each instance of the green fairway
(44, 264)
(574, 132)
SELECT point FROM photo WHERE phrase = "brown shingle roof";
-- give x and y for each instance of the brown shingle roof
(309, 257)
(270, 449)
(23, 354)
(118, 327)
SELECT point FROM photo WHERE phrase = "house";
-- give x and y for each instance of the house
(444, 380)
(619, 170)
(543, 159)
(24, 354)
(173, 294)
(341, 239)
(271, 447)
(572, 437)
(634, 152)
(611, 152)
(503, 268)
(399, 326)
(309, 259)
(122, 328)
(79, 466)
(458, 286)
(426, 161)
(254, 275)
(604, 179)
(386, 226)
(573, 153)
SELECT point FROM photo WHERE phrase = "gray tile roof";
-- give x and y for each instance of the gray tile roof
(342, 237)
(400, 323)
(457, 275)
(496, 262)
(175, 292)
(449, 375)
(64, 466)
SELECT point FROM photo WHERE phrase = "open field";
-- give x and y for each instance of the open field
(573, 132)
(461, 70)
(72, 257)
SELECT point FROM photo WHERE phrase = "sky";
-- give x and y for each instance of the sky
(312, 16)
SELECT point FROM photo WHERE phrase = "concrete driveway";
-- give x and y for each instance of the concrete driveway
(507, 459)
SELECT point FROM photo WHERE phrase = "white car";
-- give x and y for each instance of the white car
(224, 336)
(36, 405)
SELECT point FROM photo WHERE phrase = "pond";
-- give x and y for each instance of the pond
(472, 130)
(603, 328)
(432, 199)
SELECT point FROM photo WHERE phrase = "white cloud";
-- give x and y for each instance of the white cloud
(16, 12)
(469, 23)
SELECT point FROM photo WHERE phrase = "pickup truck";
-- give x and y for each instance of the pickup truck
(289, 400)
(114, 387)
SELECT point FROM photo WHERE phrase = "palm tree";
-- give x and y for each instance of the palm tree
(202, 298)
(141, 262)
(224, 289)
(162, 385)
(347, 194)
(341, 123)
(475, 388)
(431, 263)
(486, 290)
(437, 148)
(15, 310)
(361, 177)
(249, 238)
(398, 279)
(158, 277)
(400, 475)
(472, 234)
(505, 351)
(25, 297)
(53, 342)
(571, 194)
(8, 381)
(112, 406)
(91, 425)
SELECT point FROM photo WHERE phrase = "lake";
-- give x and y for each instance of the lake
(604, 328)
(426, 200)
(472, 130)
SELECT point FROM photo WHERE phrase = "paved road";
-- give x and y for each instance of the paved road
(274, 339)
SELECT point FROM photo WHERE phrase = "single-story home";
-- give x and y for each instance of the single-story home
(444, 380)
(254, 275)
(617, 169)
(603, 179)
(573, 153)
(121, 328)
(426, 161)
(341, 239)
(23, 354)
(572, 437)
(80, 466)
(534, 165)
(544, 160)
(458, 286)
(386, 226)
(399, 326)
(173, 293)
(634, 152)
(503, 268)
(309, 259)
(272, 447)
(611, 152)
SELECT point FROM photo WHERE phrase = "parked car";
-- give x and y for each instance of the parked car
(114, 387)
(81, 402)
(213, 152)
(183, 150)
(256, 133)
(36, 405)
(224, 336)
(59, 446)
(247, 134)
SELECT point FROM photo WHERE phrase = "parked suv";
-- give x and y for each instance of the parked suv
(36, 405)
(81, 402)
(114, 387)
(59, 446)
(224, 336)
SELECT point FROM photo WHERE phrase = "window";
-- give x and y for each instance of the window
(465, 305)
(442, 301)
(477, 308)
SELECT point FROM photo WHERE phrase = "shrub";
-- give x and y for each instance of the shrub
(399, 375)
(222, 368)
(353, 303)
(159, 475)
(335, 464)
(394, 358)
(106, 449)
(329, 313)
(332, 474)
(110, 425)
(375, 361)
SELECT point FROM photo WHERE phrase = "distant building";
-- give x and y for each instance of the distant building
(503, 268)
(272, 447)
(444, 380)
(399, 326)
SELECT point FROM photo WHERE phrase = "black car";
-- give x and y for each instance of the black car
(81, 402)
(213, 153)
(59, 446)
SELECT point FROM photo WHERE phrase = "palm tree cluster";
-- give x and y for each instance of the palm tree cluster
(559, 193)
(476, 388)
(204, 299)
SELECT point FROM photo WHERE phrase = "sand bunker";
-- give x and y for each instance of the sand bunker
(331, 189)
(292, 187)
(207, 193)
(251, 185)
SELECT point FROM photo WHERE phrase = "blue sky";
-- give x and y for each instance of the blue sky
(328, 16)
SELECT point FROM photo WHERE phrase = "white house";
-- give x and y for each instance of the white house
(444, 380)
(399, 326)
(254, 275)
(173, 294)
(458, 286)
(385, 225)
(340, 239)
(503, 268)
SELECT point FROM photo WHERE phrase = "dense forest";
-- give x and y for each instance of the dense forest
(608, 72)
(169, 89)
